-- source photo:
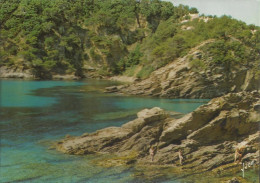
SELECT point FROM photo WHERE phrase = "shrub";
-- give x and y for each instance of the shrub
(145, 72)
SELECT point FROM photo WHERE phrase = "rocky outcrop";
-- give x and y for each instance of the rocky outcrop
(184, 78)
(6, 72)
(16, 72)
(113, 89)
(114, 138)
(124, 79)
(207, 137)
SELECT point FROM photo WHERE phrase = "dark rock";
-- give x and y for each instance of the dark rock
(111, 89)
(257, 107)
(234, 180)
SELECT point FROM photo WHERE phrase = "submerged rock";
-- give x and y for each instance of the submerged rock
(113, 89)
(207, 137)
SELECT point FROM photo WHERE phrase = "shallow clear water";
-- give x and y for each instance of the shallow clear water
(33, 114)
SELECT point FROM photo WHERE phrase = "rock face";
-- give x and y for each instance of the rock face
(183, 79)
(207, 137)
(16, 72)
(6, 72)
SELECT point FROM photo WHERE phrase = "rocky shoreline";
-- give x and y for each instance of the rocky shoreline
(206, 138)
(183, 79)
(6, 72)
(18, 73)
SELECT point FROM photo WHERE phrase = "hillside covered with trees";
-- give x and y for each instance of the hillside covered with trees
(105, 38)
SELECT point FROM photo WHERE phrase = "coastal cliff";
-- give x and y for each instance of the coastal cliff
(196, 76)
(207, 137)
(100, 39)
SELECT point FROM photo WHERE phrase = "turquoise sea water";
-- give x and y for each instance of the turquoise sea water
(33, 114)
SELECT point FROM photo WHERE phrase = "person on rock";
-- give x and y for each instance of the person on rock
(239, 153)
(180, 156)
(152, 152)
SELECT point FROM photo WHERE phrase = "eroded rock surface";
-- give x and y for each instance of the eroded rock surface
(207, 137)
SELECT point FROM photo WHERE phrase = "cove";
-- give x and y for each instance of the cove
(33, 114)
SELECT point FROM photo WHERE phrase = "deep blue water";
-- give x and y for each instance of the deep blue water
(33, 114)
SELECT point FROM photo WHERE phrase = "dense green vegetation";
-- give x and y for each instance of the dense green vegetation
(113, 36)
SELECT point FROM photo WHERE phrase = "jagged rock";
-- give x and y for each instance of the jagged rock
(207, 137)
(146, 117)
(154, 114)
